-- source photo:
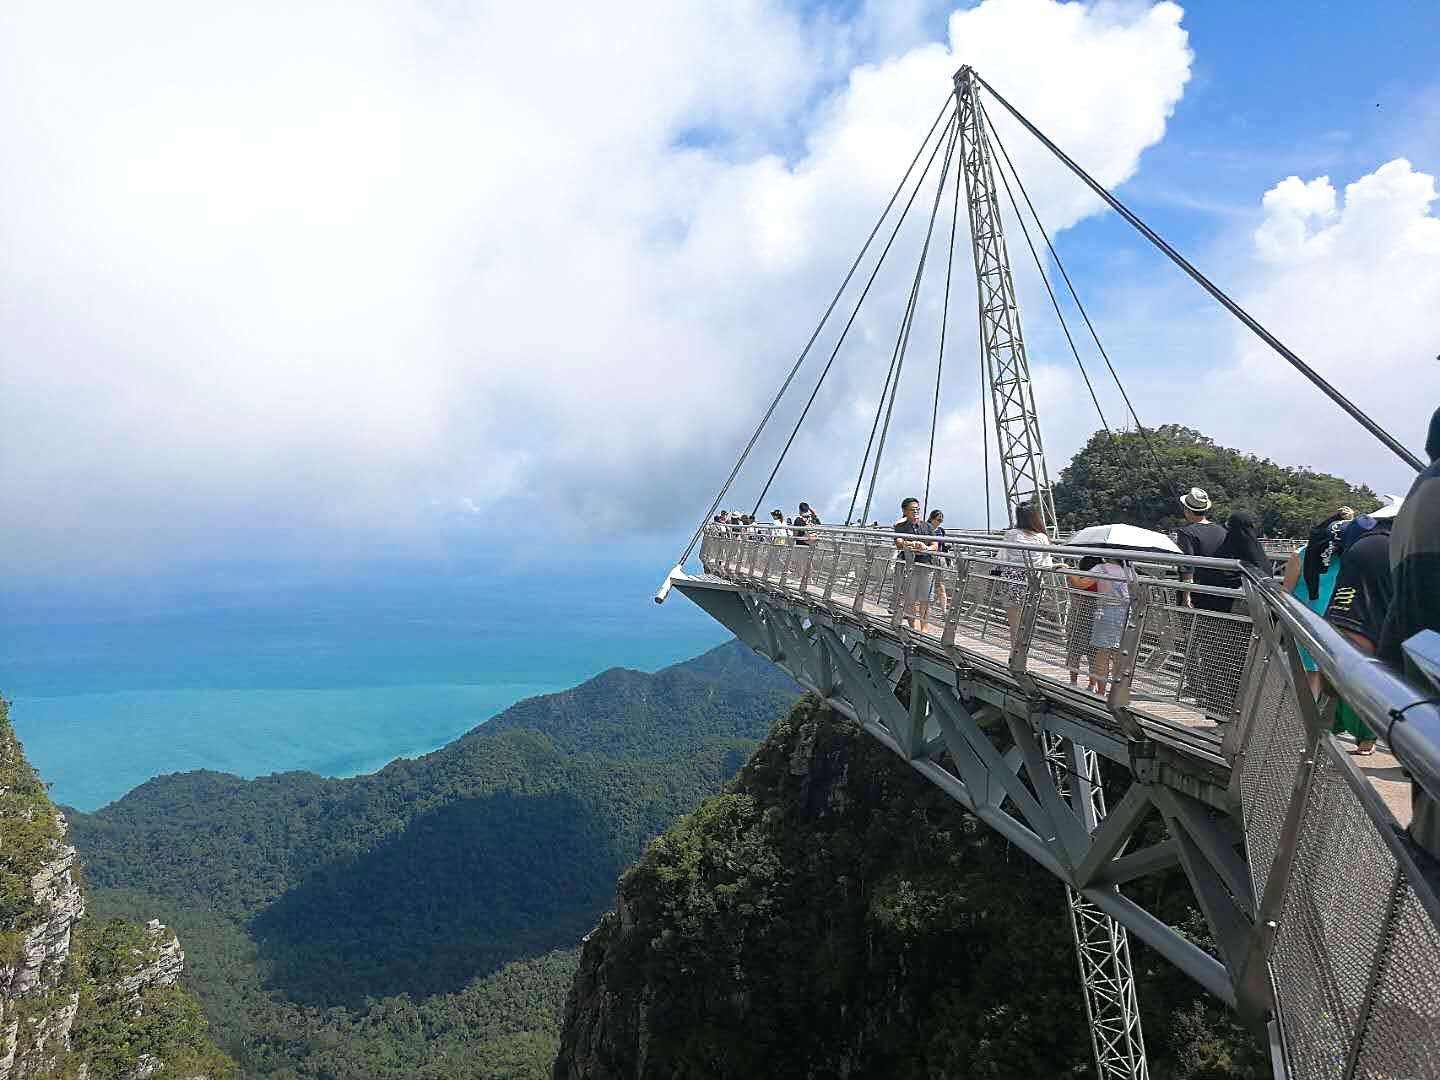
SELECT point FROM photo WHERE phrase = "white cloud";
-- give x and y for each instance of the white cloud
(1352, 285)
(275, 276)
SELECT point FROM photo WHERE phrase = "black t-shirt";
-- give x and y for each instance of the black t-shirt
(917, 528)
(1414, 566)
(1204, 539)
(1363, 588)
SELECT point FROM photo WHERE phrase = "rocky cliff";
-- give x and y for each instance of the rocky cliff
(833, 915)
(80, 1000)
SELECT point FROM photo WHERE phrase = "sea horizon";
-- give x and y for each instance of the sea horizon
(336, 676)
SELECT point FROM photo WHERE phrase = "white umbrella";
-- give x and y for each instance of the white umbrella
(1123, 536)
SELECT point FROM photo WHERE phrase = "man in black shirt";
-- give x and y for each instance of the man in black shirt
(1415, 558)
(1201, 536)
(1415, 606)
(915, 602)
(1363, 590)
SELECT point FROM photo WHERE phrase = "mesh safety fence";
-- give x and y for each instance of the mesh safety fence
(1332, 924)
(1276, 745)
(1399, 1039)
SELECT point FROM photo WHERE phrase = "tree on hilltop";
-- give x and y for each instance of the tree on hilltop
(1114, 477)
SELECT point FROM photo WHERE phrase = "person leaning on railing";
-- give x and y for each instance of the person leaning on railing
(1014, 571)
(1415, 602)
(914, 605)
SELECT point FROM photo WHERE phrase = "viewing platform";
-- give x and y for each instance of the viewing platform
(1183, 671)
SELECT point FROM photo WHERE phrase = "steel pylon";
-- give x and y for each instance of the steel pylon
(1002, 345)
(1102, 946)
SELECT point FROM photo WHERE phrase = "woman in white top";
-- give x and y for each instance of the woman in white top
(1030, 530)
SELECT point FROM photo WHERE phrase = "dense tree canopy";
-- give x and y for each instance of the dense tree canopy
(832, 882)
(1117, 477)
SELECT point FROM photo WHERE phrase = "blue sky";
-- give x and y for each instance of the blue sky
(376, 280)
(1292, 88)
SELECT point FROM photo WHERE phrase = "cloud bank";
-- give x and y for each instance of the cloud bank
(319, 279)
(1351, 282)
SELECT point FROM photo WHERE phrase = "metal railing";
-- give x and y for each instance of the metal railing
(1175, 655)
(1345, 939)
(1347, 903)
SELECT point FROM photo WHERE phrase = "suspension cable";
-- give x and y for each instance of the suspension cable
(1214, 290)
(950, 132)
(995, 134)
(870, 443)
(940, 360)
(909, 319)
(1162, 472)
(1054, 303)
(919, 183)
(795, 368)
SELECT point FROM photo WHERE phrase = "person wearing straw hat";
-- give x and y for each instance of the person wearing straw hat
(1200, 536)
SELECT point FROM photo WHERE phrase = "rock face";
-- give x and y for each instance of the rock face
(833, 915)
(76, 1000)
(36, 973)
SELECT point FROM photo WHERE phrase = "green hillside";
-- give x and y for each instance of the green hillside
(299, 896)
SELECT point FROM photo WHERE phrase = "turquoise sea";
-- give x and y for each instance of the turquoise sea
(254, 672)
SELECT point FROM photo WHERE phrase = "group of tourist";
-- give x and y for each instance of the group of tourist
(778, 530)
(1373, 575)
(1351, 571)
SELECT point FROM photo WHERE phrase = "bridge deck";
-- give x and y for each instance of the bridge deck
(981, 640)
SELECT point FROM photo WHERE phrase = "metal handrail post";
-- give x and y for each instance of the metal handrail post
(904, 567)
(862, 583)
(1127, 658)
(952, 617)
(1020, 647)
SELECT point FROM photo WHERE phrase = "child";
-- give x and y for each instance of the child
(1110, 581)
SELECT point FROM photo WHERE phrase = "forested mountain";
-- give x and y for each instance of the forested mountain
(835, 915)
(1134, 478)
(318, 912)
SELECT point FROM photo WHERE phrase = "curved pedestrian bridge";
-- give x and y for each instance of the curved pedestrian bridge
(973, 665)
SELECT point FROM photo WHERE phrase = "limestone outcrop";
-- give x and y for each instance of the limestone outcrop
(80, 1000)
(38, 1000)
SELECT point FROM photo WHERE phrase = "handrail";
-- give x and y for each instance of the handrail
(1163, 558)
(1370, 687)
